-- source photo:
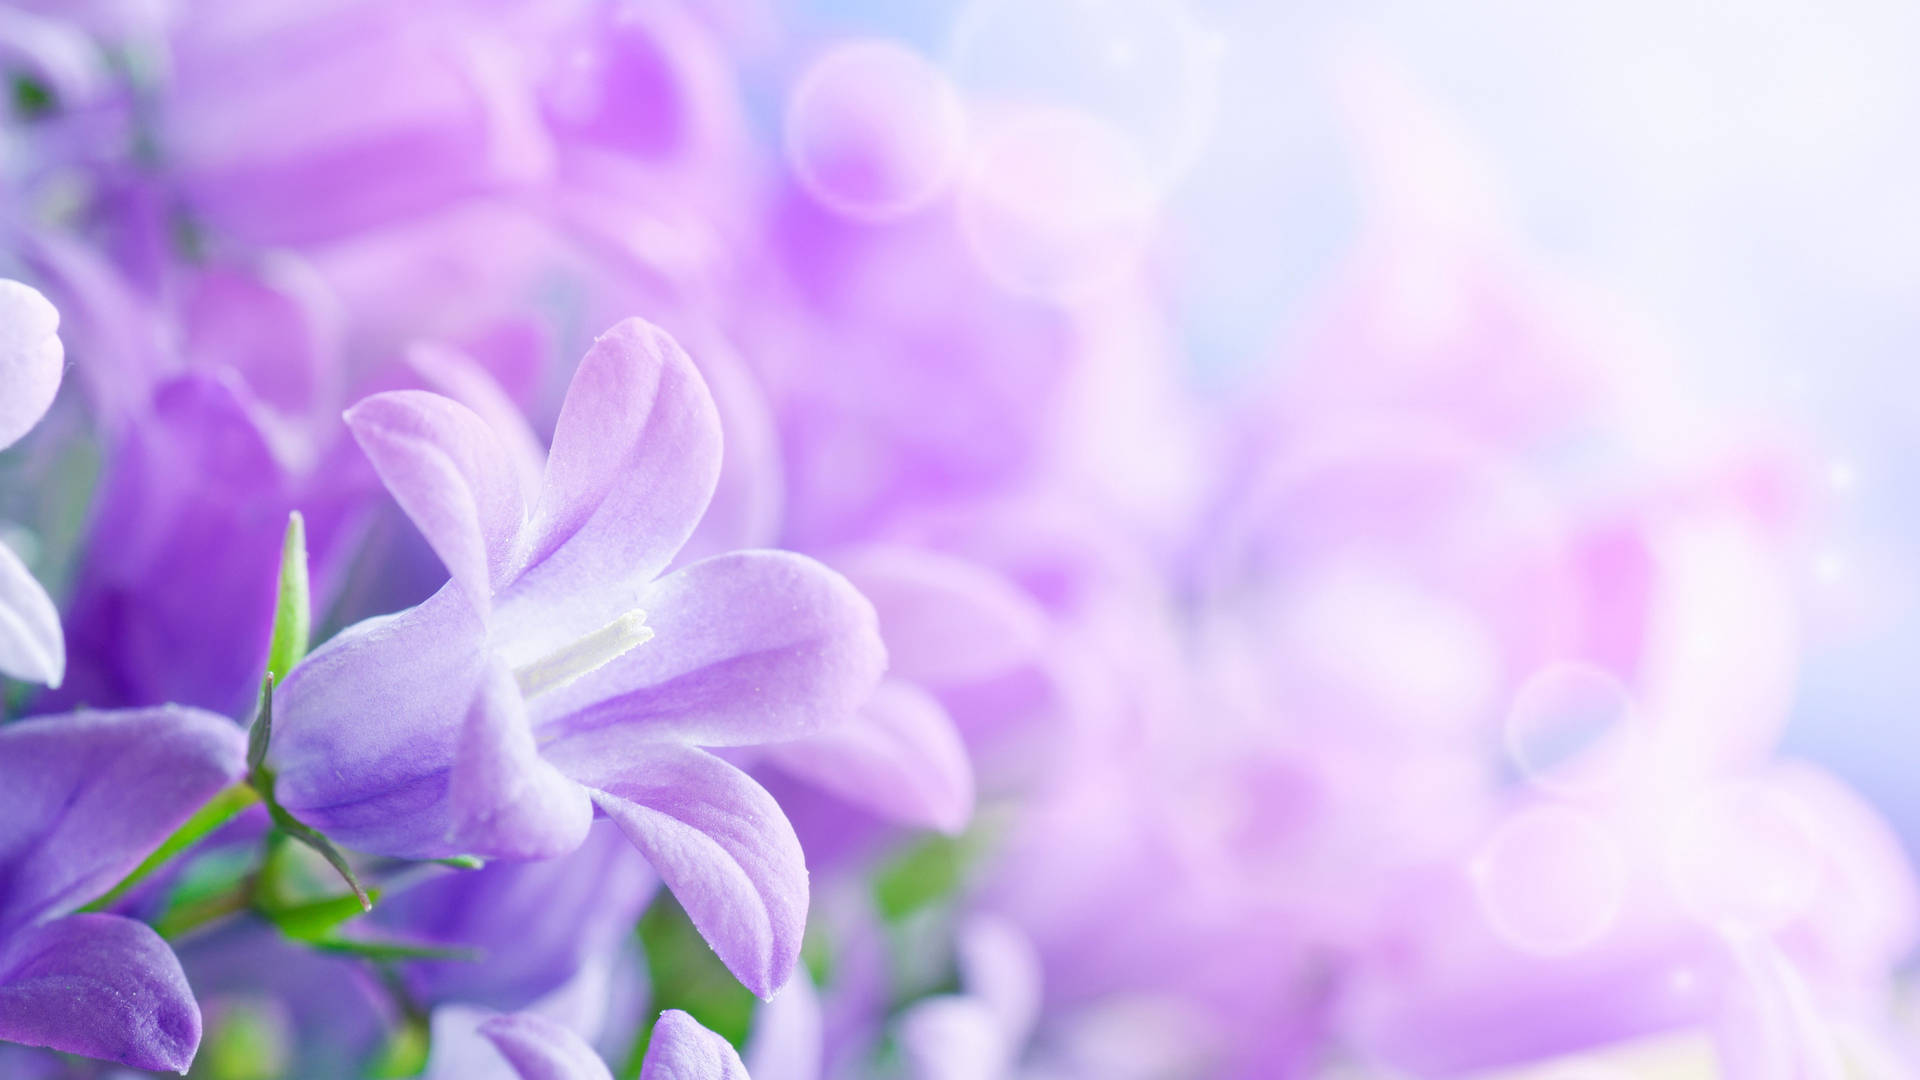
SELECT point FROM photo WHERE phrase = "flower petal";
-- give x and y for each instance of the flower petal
(900, 757)
(173, 598)
(31, 644)
(718, 841)
(505, 801)
(453, 476)
(84, 797)
(789, 1034)
(453, 373)
(539, 924)
(100, 986)
(954, 1037)
(539, 1049)
(367, 728)
(31, 359)
(683, 1050)
(752, 647)
(635, 458)
(1000, 967)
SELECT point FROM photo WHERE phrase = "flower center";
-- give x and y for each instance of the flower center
(589, 653)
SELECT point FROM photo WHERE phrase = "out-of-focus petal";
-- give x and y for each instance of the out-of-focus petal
(899, 757)
(635, 457)
(31, 644)
(453, 476)
(945, 620)
(683, 1050)
(31, 359)
(273, 322)
(366, 729)
(100, 986)
(460, 1052)
(173, 598)
(537, 923)
(750, 495)
(719, 842)
(757, 646)
(539, 1049)
(505, 801)
(1000, 967)
(84, 797)
(954, 1037)
(789, 1034)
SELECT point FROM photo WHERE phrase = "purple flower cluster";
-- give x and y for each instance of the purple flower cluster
(522, 579)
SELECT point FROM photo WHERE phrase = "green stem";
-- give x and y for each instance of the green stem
(178, 924)
(218, 810)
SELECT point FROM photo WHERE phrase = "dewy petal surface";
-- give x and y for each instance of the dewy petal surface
(539, 1049)
(101, 986)
(683, 1050)
(751, 647)
(900, 756)
(367, 728)
(453, 476)
(505, 801)
(84, 797)
(719, 842)
(31, 359)
(32, 646)
(635, 458)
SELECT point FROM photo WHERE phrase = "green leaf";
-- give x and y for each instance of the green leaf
(463, 862)
(218, 810)
(929, 871)
(293, 610)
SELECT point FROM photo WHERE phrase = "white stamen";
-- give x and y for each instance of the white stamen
(587, 654)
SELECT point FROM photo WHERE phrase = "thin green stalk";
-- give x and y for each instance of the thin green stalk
(218, 810)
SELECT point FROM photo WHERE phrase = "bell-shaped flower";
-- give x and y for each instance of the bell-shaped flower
(31, 362)
(557, 673)
(83, 798)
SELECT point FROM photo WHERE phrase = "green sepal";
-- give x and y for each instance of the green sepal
(316, 920)
(318, 842)
(260, 735)
(293, 607)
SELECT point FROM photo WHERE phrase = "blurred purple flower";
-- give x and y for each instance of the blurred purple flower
(31, 363)
(554, 675)
(536, 924)
(86, 797)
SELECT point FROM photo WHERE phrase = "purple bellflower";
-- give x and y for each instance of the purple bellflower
(554, 675)
(87, 796)
(31, 361)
